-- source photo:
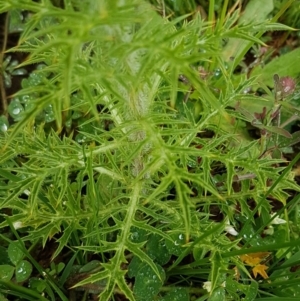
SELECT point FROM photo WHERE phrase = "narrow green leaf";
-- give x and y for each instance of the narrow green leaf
(185, 205)
(99, 276)
(274, 129)
(68, 269)
(266, 248)
(9, 176)
(123, 286)
(216, 262)
(64, 239)
(230, 174)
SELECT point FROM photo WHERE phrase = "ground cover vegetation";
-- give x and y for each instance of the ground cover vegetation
(149, 150)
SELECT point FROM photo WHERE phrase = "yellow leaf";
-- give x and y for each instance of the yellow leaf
(261, 270)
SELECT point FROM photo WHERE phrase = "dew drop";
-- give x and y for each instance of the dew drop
(15, 108)
(134, 236)
(3, 127)
(80, 138)
(49, 117)
(16, 111)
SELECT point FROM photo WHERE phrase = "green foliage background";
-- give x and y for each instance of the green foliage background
(107, 158)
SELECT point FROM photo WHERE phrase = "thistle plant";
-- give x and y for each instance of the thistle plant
(149, 186)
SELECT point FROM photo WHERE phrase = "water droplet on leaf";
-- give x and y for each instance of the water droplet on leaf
(15, 109)
(3, 124)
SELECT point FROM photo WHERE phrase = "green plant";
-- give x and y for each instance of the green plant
(113, 157)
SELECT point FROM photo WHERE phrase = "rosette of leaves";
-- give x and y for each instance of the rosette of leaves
(148, 172)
